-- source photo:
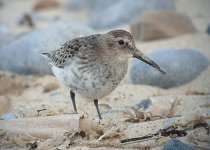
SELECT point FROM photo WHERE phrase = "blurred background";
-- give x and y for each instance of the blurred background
(174, 33)
(29, 27)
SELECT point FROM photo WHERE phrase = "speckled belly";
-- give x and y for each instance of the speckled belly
(91, 83)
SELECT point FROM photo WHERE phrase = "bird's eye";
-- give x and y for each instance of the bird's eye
(121, 42)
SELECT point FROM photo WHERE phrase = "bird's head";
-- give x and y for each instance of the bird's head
(123, 43)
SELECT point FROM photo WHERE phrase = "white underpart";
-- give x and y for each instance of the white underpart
(92, 84)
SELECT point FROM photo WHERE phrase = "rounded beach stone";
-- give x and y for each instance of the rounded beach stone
(208, 29)
(124, 11)
(181, 66)
(7, 35)
(23, 56)
(176, 144)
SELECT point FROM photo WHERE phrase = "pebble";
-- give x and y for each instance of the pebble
(124, 11)
(175, 144)
(8, 116)
(23, 56)
(162, 24)
(181, 66)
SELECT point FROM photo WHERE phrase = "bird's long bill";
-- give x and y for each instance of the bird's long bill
(139, 55)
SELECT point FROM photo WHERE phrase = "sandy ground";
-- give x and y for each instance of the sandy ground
(24, 95)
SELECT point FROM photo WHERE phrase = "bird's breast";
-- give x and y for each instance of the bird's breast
(91, 80)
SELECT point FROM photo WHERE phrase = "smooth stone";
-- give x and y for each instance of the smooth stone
(23, 56)
(81, 4)
(8, 116)
(208, 29)
(145, 103)
(7, 35)
(181, 66)
(45, 4)
(175, 144)
(1, 3)
(91, 5)
(125, 11)
(155, 25)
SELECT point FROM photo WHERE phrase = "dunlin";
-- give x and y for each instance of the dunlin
(94, 65)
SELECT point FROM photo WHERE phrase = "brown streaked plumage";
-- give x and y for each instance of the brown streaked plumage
(94, 65)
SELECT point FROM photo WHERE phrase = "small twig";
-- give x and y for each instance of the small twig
(38, 111)
(142, 140)
(163, 132)
(106, 133)
(146, 137)
(152, 118)
(174, 105)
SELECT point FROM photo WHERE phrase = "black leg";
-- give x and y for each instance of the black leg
(72, 94)
(97, 108)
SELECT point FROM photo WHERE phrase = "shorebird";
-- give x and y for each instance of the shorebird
(94, 65)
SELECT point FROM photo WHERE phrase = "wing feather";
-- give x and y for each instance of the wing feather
(59, 56)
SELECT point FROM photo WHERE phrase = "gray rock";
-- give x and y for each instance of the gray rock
(92, 5)
(1, 3)
(182, 66)
(108, 14)
(81, 4)
(7, 116)
(155, 25)
(23, 56)
(145, 103)
(208, 29)
(101, 5)
(176, 144)
(7, 35)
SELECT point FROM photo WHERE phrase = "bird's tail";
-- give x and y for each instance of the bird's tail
(46, 55)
